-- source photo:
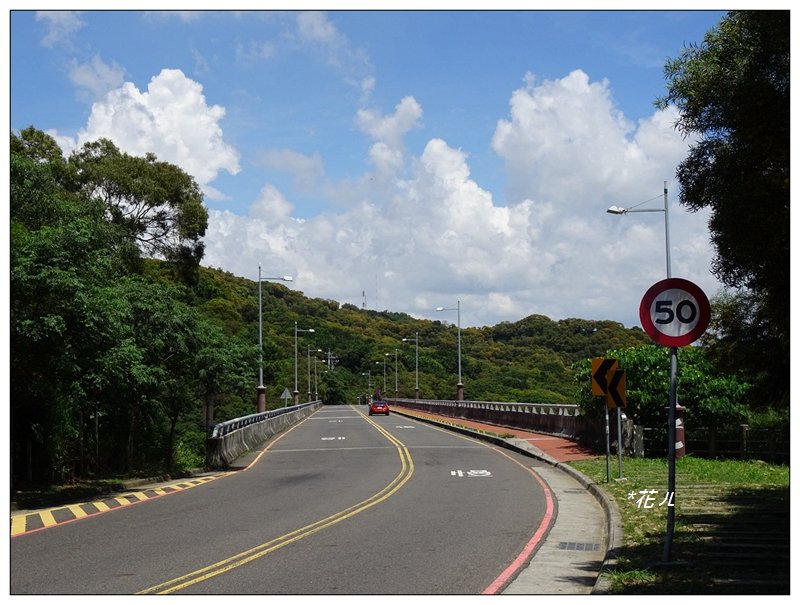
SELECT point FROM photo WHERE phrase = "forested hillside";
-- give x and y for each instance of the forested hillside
(125, 350)
(530, 360)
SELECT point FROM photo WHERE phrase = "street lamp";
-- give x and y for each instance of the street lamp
(673, 380)
(316, 388)
(395, 372)
(296, 392)
(308, 364)
(261, 404)
(368, 374)
(383, 393)
(665, 210)
(460, 385)
(416, 362)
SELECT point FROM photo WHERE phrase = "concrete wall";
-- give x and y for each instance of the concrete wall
(222, 451)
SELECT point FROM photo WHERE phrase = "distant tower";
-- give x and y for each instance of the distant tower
(363, 300)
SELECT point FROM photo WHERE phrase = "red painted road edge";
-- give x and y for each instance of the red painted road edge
(532, 544)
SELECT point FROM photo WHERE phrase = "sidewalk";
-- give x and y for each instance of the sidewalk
(587, 531)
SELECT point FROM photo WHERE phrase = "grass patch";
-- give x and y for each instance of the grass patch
(719, 504)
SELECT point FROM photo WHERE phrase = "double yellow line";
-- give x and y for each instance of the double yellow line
(247, 556)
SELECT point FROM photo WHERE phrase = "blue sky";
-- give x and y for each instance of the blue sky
(401, 160)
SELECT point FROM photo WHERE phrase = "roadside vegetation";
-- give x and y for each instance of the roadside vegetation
(722, 507)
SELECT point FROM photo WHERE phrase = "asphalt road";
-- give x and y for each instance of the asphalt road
(340, 504)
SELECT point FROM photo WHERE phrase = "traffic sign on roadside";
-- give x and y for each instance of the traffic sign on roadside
(602, 371)
(674, 312)
(617, 396)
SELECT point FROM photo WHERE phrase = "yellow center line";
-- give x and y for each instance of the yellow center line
(247, 556)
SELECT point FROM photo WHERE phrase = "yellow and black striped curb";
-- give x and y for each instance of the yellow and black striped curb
(43, 519)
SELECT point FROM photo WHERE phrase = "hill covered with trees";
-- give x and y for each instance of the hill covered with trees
(125, 350)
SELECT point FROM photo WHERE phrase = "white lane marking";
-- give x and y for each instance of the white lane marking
(471, 473)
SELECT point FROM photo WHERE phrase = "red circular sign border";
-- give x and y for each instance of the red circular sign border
(675, 283)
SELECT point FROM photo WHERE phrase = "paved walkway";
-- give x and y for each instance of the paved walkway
(587, 529)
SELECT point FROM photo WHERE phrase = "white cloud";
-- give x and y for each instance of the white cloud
(420, 231)
(316, 31)
(434, 235)
(271, 206)
(96, 77)
(60, 26)
(183, 16)
(170, 119)
(255, 51)
(306, 170)
(390, 129)
(315, 27)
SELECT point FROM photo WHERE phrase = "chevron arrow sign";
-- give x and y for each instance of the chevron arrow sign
(602, 371)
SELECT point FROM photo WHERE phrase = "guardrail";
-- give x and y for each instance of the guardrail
(230, 439)
(562, 419)
(223, 428)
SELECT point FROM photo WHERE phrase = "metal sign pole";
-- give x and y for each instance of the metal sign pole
(673, 399)
(608, 451)
(619, 440)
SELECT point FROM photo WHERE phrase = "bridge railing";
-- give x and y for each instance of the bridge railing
(229, 440)
(562, 419)
(223, 428)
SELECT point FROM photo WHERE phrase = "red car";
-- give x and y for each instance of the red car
(378, 407)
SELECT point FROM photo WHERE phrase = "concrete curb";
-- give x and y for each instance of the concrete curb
(613, 517)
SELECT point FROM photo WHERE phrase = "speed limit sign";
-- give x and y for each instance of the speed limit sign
(674, 312)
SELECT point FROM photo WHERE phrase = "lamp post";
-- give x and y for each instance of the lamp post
(395, 372)
(383, 393)
(368, 374)
(665, 210)
(296, 392)
(460, 385)
(261, 403)
(673, 384)
(416, 362)
(308, 366)
(316, 388)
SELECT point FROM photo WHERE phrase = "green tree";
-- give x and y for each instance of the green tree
(42, 149)
(710, 398)
(157, 203)
(333, 388)
(64, 257)
(740, 341)
(223, 365)
(732, 92)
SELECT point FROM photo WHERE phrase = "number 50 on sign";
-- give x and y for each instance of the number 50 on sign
(674, 312)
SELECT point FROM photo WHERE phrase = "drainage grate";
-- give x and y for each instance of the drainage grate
(578, 546)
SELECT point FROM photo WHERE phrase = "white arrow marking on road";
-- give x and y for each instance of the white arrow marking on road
(471, 473)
